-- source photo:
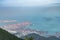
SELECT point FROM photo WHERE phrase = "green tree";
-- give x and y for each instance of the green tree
(26, 38)
(30, 38)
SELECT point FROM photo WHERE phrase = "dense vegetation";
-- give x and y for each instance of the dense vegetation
(4, 35)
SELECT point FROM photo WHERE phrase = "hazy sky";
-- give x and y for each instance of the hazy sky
(27, 2)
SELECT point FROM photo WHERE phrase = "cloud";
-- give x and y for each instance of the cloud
(16, 26)
(12, 3)
(37, 2)
(20, 28)
(28, 31)
(6, 21)
(27, 2)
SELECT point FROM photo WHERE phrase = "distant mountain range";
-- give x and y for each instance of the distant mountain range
(53, 38)
(35, 36)
(38, 37)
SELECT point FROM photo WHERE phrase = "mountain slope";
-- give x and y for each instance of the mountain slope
(52, 38)
(38, 37)
(35, 36)
(4, 35)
